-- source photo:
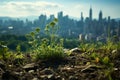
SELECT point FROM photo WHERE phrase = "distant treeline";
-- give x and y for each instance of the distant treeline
(12, 41)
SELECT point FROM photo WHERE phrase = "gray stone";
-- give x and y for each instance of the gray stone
(73, 78)
(31, 66)
(47, 71)
(31, 71)
(51, 76)
(58, 78)
(35, 79)
(91, 68)
(114, 51)
(76, 50)
(48, 77)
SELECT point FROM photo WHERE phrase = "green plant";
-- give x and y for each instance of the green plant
(83, 46)
(106, 60)
(108, 71)
(3, 50)
(18, 49)
(19, 59)
(51, 49)
(33, 41)
(48, 49)
(51, 30)
(88, 47)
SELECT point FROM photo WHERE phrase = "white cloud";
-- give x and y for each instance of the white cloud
(18, 9)
(35, 8)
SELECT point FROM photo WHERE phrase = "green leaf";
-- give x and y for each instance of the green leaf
(37, 30)
(32, 34)
(56, 20)
(106, 60)
(52, 24)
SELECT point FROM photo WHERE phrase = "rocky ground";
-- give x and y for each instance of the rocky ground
(74, 67)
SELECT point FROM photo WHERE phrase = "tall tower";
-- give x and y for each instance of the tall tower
(60, 15)
(90, 14)
(100, 15)
(81, 16)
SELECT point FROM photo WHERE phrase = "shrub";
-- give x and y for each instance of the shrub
(48, 49)
(3, 50)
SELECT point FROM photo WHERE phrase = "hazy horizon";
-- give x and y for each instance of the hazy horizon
(24, 8)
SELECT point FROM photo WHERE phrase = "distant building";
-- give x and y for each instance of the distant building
(82, 17)
(90, 14)
(100, 16)
(81, 37)
(60, 15)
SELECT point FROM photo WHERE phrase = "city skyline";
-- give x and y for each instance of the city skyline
(24, 8)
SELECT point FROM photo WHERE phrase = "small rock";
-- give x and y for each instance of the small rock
(67, 68)
(66, 50)
(31, 71)
(73, 78)
(75, 50)
(115, 69)
(42, 76)
(114, 51)
(35, 79)
(63, 78)
(17, 73)
(51, 76)
(90, 68)
(31, 66)
(47, 71)
(58, 78)
(73, 58)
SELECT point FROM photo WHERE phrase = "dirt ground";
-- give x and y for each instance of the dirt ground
(73, 67)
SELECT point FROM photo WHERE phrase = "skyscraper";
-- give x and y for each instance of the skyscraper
(90, 14)
(100, 15)
(81, 16)
(60, 15)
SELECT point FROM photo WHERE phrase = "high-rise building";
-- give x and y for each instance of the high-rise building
(81, 16)
(90, 14)
(60, 15)
(52, 17)
(100, 15)
(109, 19)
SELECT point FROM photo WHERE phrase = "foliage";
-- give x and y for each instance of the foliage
(88, 47)
(103, 54)
(3, 50)
(32, 37)
(71, 43)
(48, 49)
(49, 52)
(105, 60)
(13, 40)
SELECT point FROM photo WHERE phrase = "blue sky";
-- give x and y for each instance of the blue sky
(23, 8)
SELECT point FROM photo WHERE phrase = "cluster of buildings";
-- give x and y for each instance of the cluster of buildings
(86, 28)
(99, 29)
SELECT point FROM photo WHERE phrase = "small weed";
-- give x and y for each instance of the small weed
(48, 49)
(3, 50)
